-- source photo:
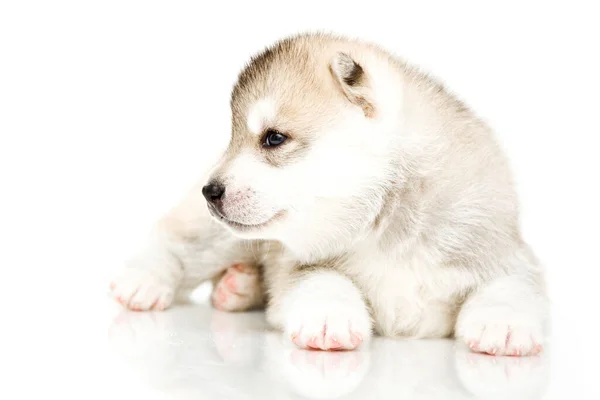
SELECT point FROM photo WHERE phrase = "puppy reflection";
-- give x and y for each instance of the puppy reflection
(236, 356)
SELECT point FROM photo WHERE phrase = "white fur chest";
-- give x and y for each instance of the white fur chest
(409, 295)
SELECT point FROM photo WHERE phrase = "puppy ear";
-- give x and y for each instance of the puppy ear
(353, 81)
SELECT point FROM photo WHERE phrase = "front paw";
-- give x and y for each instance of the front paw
(500, 331)
(330, 326)
(334, 317)
(140, 290)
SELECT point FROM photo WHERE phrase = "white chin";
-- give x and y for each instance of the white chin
(254, 230)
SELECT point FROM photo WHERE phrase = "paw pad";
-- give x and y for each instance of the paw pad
(238, 289)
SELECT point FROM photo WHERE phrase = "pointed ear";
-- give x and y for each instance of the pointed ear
(353, 82)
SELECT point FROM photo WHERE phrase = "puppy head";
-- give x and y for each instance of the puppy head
(310, 144)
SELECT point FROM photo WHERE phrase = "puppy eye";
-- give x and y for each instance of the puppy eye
(273, 138)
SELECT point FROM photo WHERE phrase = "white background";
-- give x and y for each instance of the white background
(110, 110)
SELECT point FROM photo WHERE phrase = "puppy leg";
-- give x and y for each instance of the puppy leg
(320, 310)
(185, 249)
(504, 317)
(150, 279)
(238, 289)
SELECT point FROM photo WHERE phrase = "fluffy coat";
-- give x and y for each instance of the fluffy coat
(389, 208)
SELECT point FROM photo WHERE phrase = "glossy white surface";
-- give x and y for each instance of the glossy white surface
(196, 352)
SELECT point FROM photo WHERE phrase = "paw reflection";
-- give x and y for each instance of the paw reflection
(132, 330)
(235, 337)
(198, 352)
(503, 377)
(316, 374)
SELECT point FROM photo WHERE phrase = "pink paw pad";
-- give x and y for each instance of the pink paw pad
(334, 344)
(230, 282)
(325, 341)
(237, 289)
(509, 349)
(219, 298)
(312, 343)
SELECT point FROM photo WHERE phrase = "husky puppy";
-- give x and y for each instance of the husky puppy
(357, 195)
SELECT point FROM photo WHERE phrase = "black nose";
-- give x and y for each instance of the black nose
(213, 191)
